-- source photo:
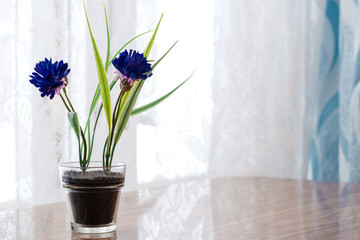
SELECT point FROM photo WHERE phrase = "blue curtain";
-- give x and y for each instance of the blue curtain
(335, 148)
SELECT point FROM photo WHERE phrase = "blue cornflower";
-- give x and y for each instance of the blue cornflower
(132, 66)
(50, 77)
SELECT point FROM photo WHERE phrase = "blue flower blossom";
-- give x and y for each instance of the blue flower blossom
(50, 77)
(132, 66)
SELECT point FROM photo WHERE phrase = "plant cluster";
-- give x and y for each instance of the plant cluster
(132, 70)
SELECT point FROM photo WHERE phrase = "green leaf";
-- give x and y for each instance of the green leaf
(162, 57)
(74, 121)
(157, 101)
(103, 82)
(108, 42)
(151, 42)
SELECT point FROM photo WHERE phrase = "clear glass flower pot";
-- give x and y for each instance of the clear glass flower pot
(92, 195)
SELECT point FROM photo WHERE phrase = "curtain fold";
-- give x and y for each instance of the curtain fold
(324, 149)
(349, 55)
(335, 148)
(259, 88)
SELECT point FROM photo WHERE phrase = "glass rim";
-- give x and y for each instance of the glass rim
(77, 165)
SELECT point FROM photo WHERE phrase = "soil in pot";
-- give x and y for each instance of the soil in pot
(93, 195)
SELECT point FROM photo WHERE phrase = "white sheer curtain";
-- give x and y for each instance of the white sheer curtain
(264, 70)
(242, 113)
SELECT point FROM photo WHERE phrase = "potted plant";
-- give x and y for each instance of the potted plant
(93, 187)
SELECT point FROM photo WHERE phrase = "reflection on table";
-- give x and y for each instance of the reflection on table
(224, 208)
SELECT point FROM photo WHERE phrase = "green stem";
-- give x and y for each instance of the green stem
(106, 142)
(85, 146)
(127, 108)
(84, 161)
(114, 121)
(91, 143)
(67, 107)
(72, 108)
(117, 108)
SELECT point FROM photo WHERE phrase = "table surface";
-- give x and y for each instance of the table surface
(225, 208)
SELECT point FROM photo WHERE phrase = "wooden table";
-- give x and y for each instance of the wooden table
(226, 208)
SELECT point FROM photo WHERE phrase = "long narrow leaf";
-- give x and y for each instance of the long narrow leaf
(74, 121)
(108, 41)
(103, 82)
(97, 91)
(151, 42)
(162, 57)
(157, 101)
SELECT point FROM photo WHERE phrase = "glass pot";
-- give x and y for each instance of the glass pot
(92, 195)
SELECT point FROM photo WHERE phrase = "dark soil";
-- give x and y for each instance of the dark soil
(93, 205)
(93, 178)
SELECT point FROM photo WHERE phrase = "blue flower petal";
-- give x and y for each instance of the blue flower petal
(48, 76)
(132, 65)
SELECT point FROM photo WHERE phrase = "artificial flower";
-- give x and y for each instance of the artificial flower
(131, 66)
(50, 77)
